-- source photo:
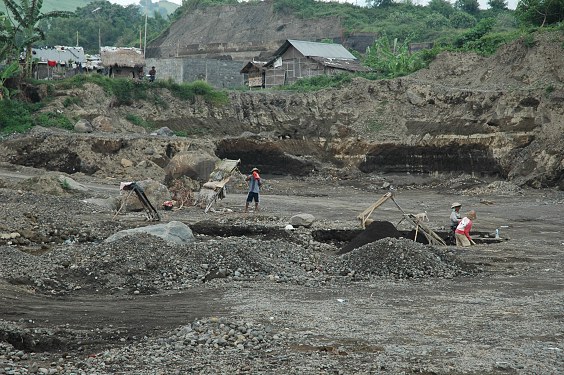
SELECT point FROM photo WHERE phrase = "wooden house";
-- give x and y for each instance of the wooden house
(297, 59)
(254, 74)
(123, 61)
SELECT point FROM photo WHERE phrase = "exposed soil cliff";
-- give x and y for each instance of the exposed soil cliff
(501, 115)
(230, 32)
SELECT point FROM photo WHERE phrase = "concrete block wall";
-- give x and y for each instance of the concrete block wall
(218, 73)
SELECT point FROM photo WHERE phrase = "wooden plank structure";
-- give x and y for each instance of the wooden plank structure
(214, 189)
(432, 237)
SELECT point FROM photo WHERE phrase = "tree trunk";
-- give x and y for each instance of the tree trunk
(28, 62)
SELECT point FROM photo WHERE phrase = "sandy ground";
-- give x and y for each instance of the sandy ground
(507, 319)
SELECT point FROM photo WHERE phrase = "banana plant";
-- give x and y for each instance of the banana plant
(392, 58)
(9, 71)
(24, 16)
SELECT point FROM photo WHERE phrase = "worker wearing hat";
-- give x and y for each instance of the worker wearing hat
(254, 187)
(455, 215)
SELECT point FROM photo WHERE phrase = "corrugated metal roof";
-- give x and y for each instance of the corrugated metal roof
(315, 49)
(343, 64)
(61, 54)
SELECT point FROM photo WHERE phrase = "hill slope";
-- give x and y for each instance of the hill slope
(213, 30)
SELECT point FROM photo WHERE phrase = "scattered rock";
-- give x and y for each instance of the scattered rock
(83, 126)
(302, 220)
(173, 232)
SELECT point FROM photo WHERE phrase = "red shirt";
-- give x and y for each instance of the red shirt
(464, 227)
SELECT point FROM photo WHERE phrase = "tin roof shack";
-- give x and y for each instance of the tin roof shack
(254, 74)
(57, 61)
(123, 61)
(297, 59)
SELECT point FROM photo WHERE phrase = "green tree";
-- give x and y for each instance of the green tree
(118, 26)
(436, 21)
(468, 6)
(497, 5)
(540, 12)
(25, 16)
(442, 7)
(6, 44)
(482, 28)
(462, 20)
(380, 3)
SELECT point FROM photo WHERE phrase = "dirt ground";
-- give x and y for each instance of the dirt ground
(506, 319)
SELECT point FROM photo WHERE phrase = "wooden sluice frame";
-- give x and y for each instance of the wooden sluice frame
(431, 236)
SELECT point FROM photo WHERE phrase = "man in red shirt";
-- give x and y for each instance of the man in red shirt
(254, 187)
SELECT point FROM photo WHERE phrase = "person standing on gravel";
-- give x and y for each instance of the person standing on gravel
(254, 187)
(455, 215)
(462, 232)
(152, 74)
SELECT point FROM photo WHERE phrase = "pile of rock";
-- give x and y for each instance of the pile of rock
(402, 259)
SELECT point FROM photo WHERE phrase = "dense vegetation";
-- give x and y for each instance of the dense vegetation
(101, 22)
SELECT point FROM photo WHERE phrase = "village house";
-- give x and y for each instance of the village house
(57, 61)
(297, 59)
(123, 62)
(254, 73)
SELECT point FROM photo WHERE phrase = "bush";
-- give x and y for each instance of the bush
(70, 101)
(15, 116)
(189, 91)
(392, 59)
(462, 20)
(136, 120)
(489, 43)
(53, 120)
(474, 34)
(126, 90)
(19, 117)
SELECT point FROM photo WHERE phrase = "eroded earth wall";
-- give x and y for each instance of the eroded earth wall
(502, 115)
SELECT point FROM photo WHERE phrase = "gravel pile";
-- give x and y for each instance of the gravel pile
(205, 346)
(37, 219)
(146, 264)
(403, 259)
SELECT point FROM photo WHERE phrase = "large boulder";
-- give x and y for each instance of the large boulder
(83, 126)
(196, 165)
(68, 183)
(164, 131)
(302, 220)
(173, 232)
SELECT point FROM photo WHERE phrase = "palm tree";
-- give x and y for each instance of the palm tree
(24, 16)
